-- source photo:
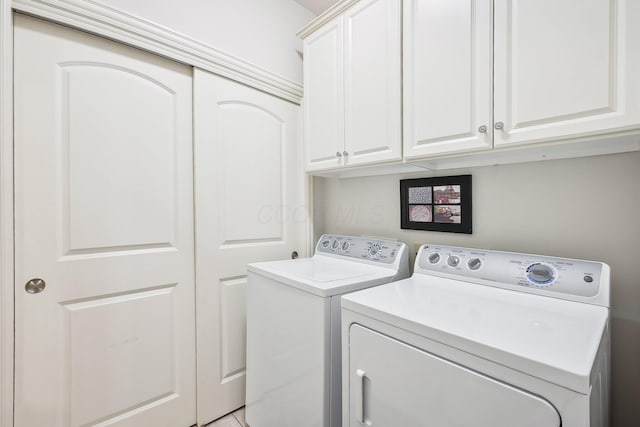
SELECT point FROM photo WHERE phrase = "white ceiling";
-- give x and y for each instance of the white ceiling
(316, 6)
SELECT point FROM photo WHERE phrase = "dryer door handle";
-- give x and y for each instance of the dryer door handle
(360, 398)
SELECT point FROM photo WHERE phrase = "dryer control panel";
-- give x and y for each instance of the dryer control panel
(363, 248)
(560, 277)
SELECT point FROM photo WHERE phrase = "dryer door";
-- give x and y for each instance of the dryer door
(394, 384)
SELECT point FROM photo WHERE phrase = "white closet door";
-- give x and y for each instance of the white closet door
(394, 384)
(249, 208)
(103, 190)
(565, 68)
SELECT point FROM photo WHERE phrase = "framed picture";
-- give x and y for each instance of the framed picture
(436, 204)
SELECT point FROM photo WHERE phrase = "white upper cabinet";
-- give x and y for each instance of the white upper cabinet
(562, 70)
(352, 78)
(324, 95)
(565, 68)
(472, 79)
(447, 76)
(372, 82)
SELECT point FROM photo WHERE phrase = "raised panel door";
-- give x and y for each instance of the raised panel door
(372, 44)
(104, 215)
(447, 76)
(324, 97)
(563, 71)
(249, 208)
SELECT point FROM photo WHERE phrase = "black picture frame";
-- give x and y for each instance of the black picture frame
(440, 203)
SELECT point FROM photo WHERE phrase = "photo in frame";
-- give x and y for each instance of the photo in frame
(436, 204)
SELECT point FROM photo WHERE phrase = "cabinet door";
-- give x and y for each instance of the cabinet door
(324, 97)
(564, 69)
(249, 208)
(372, 82)
(394, 384)
(447, 76)
(104, 214)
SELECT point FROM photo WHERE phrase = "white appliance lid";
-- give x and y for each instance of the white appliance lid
(552, 339)
(324, 276)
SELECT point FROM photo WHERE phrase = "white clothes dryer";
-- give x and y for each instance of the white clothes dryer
(480, 338)
(293, 327)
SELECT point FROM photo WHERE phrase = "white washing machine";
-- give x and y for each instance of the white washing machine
(293, 327)
(480, 338)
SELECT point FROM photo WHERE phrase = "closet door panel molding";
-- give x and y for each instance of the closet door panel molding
(249, 208)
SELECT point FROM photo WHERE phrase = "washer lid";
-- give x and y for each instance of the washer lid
(324, 276)
(552, 339)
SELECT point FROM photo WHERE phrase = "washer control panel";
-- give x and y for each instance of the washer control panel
(383, 251)
(547, 274)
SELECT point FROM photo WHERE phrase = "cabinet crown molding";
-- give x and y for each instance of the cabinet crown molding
(114, 24)
(325, 17)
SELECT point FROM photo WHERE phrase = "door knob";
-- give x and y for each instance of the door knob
(294, 255)
(482, 129)
(344, 153)
(338, 154)
(35, 286)
(499, 125)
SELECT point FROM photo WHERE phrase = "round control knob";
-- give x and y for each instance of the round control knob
(453, 261)
(374, 251)
(335, 245)
(541, 274)
(325, 244)
(345, 246)
(474, 263)
(434, 258)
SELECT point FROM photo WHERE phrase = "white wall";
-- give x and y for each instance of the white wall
(262, 32)
(580, 208)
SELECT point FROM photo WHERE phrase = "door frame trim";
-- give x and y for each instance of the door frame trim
(117, 25)
(6, 215)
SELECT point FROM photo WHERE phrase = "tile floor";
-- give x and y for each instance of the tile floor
(234, 419)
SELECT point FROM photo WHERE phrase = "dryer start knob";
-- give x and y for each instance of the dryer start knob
(541, 274)
(374, 251)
